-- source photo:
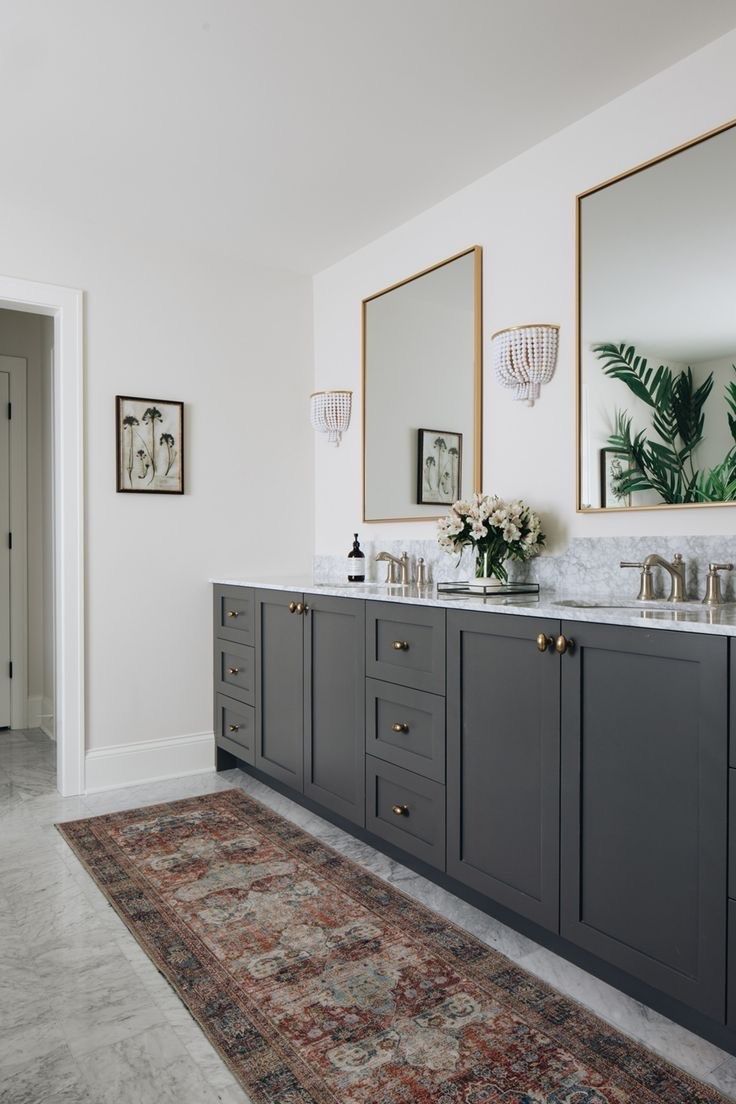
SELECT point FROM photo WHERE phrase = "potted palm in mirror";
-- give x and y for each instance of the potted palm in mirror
(496, 530)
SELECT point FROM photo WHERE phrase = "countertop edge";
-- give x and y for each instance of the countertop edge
(546, 606)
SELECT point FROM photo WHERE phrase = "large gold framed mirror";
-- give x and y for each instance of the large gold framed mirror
(422, 391)
(656, 394)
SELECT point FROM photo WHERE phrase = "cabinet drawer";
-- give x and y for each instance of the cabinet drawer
(406, 645)
(235, 727)
(406, 810)
(419, 745)
(234, 614)
(235, 671)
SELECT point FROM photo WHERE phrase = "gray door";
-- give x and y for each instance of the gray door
(644, 781)
(279, 686)
(334, 706)
(503, 761)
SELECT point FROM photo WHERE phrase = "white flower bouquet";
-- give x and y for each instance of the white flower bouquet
(497, 530)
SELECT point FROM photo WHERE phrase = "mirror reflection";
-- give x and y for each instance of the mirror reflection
(657, 354)
(421, 392)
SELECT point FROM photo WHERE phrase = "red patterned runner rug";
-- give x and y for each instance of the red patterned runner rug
(320, 984)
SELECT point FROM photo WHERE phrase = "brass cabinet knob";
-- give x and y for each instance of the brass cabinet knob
(233, 670)
(234, 728)
(400, 726)
(544, 642)
(401, 645)
(233, 613)
(400, 810)
(301, 608)
(292, 607)
(564, 644)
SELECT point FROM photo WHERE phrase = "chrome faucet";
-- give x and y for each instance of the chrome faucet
(676, 571)
(398, 569)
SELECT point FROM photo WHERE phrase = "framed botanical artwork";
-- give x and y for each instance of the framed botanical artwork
(439, 466)
(150, 445)
(614, 465)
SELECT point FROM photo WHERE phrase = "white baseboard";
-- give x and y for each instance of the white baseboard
(40, 714)
(149, 761)
(34, 712)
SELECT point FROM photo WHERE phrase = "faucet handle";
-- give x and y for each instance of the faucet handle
(713, 595)
(646, 582)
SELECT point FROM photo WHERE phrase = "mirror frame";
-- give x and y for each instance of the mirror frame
(579, 508)
(477, 460)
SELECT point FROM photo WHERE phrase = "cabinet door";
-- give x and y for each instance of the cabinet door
(334, 709)
(503, 761)
(279, 687)
(644, 780)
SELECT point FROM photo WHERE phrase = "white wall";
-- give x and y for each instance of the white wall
(27, 335)
(523, 215)
(235, 345)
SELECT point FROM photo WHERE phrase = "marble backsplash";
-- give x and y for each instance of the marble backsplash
(589, 566)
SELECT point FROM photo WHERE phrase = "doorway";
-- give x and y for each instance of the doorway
(26, 522)
(57, 594)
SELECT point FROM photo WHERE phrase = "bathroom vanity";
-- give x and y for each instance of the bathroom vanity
(565, 769)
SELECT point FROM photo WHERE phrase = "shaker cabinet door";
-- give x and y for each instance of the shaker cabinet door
(644, 781)
(503, 761)
(334, 710)
(279, 656)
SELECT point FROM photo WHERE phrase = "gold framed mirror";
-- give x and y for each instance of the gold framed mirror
(656, 332)
(422, 391)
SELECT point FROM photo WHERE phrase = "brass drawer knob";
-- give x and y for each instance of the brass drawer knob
(400, 726)
(401, 645)
(233, 613)
(292, 607)
(234, 728)
(233, 670)
(400, 810)
(564, 644)
(544, 642)
(301, 608)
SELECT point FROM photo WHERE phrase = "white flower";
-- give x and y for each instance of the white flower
(454, 527)
(499, 517)
(462, 507)
(478, 530)
(511, 532)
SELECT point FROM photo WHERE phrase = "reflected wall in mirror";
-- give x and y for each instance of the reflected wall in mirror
(422, 366)
(657, 332)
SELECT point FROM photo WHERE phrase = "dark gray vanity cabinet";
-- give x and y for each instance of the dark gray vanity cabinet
(309, 697)
(503, 761)
(644, 806)
(279, 699)
(334, 711)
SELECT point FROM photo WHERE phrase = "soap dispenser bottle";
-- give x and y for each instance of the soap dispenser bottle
(356, 563)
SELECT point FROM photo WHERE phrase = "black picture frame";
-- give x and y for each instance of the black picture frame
(426, 495)
(132, 463)
(605, 473)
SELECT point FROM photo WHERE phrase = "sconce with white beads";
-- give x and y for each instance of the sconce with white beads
(330, 413)
(525, 357)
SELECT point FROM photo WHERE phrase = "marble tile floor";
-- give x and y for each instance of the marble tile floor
(86, 1018)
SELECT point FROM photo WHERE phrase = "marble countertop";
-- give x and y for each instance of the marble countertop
(659, 614)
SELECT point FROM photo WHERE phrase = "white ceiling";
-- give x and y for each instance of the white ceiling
(292, 132)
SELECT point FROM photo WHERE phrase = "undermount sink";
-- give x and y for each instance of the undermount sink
(654, 605)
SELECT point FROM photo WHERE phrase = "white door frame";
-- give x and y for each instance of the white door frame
(65, 306)
(17, 373)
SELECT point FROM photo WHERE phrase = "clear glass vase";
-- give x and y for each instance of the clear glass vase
(489, 566)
